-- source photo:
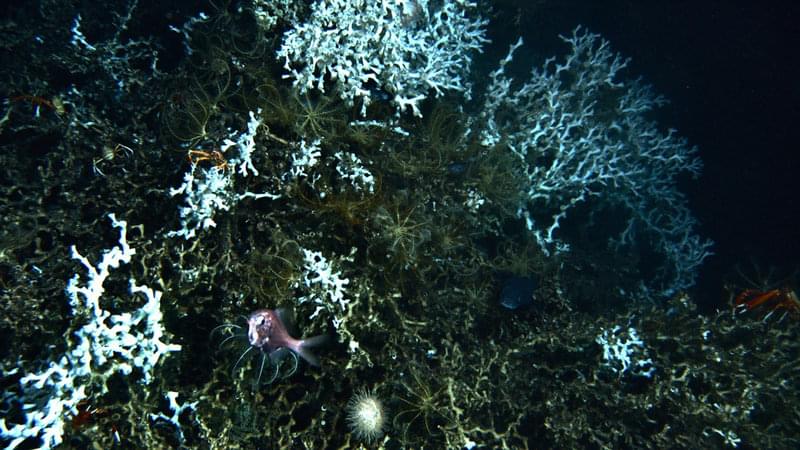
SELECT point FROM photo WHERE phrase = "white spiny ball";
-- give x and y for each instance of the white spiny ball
(366, 416)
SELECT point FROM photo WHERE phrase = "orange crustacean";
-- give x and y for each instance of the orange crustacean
(214, 156)
(769, 301)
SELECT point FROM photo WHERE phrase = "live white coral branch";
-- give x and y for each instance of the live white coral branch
(102, 345)
(580, 133)
(404, 47)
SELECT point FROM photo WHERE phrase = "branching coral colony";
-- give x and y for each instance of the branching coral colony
(103, 345)
(326, 162)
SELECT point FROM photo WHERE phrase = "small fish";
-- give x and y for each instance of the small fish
(457, 168)
(267, 330)
(517, 292)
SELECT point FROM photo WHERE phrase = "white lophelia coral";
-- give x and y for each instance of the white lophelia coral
(624, 352)
(269, 13)
(104, 344)
(246, 144)
(351, 168)
(404, 47)
(177, 411)
(325, 285)
(580, 133)
(204, 195)
(304, 159)
(207, 191)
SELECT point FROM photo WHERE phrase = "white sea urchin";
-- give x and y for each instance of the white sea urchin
(366, 416)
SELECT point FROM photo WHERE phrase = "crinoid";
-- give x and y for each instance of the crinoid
(187, 114)
(367, 134)
(186, 117)
(401, 234)
(761, 277)
(450, 238)
(347, 207)
(277, 104)
(317, 115)
(423, 404)
(265, 369)
(270, 270)
(520, 257)
(438, 151)
(444, 131)
(409, 162)
(497, 175)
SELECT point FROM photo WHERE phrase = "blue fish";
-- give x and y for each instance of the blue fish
(517, 292)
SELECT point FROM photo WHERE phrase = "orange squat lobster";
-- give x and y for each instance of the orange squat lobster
(214, 156)
(777, 299)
